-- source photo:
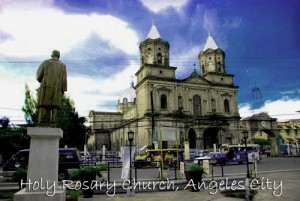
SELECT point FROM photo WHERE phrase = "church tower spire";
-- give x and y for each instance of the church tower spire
(153, 33)
(154, 50)
(210, 43)
(154, 58)
(211, 58)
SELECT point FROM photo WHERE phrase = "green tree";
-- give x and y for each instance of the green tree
(72, 125)
(30, 107)
(262, 141)
(12, 140)
(4, 121)
(68, 120)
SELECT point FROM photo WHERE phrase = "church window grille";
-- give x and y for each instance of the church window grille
(197, 105)
(226, 105)
(163, 101)
(159, 58)
(219, 66)
(213, 105)
(180, 103)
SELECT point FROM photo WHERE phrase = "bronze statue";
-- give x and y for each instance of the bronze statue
(52, 74)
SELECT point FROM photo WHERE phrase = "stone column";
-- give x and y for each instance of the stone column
(186, 150)
(42, 176)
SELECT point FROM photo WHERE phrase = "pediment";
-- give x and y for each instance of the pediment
(197, 80)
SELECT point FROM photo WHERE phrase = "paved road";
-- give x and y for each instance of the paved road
(282, 186)
(286, 170)
(266, 165)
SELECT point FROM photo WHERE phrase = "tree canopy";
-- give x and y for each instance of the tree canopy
(4, 121)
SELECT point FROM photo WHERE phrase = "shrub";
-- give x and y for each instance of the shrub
(70, 194)
(85, 171)
(103, 167)
(195, 167)
(20, 173)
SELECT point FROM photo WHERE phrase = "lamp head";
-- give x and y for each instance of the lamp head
(130, 136)
(245, 134)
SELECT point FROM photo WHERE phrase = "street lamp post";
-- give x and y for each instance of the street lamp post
(130, 138)
(245, 136)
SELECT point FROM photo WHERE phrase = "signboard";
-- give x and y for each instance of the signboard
(206, 166)
(253, 156)
(169, 134)
(126, 161)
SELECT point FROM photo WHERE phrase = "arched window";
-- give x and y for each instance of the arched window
(226, 105)
(159, 58)
(125, 102)
(197, 105)
(134, 100)
(163, 101)
(180, 103)
(219, 66)
(213, 105)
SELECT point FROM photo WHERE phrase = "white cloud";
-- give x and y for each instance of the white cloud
(88, 92)
(185, 66)
(12, 88)
(219, 27)
(290, 92)
(282, 109)
(34, 31)
(94, 93)
(37, 31)
(157, 5)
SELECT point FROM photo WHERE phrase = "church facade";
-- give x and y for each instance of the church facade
(202, 108)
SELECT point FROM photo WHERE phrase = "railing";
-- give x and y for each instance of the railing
(94, 158)
(143, 172)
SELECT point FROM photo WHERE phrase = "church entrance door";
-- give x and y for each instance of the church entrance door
(192, 138)
(210, 137)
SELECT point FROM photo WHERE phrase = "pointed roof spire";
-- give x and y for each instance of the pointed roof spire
(153, 33)
(210, 43)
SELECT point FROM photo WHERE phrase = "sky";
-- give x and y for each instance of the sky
(99, 43)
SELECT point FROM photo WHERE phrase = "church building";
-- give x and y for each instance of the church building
(201, 108)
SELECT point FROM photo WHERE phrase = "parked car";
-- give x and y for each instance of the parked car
(195, 153)
(148, 156)
(235, 154)
(69, 158)
(217, 157)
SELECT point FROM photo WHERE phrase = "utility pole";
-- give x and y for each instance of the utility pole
(152, 118)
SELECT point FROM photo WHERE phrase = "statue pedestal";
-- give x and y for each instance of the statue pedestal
(42, 175)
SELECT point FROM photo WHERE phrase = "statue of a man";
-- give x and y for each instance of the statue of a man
(52, 74)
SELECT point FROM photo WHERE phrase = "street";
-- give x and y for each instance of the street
(275, 169)
(265, 165)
